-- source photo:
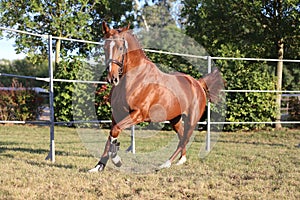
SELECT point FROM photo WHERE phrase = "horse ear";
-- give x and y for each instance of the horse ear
(105, 28)
(126, 27)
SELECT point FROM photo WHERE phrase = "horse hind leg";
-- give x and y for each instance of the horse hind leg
(184, 140)
(177, 125)
(184, 134)
(182, 160)
(179, 128)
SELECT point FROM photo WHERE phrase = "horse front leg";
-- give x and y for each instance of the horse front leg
(105, 156)
(112, 145)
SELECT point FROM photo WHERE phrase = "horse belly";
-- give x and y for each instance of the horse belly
(167, 107)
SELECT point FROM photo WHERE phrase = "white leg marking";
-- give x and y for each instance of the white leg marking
(95, 169)
(116, 160)
(112, 139)
(166, 165)
(181, 161)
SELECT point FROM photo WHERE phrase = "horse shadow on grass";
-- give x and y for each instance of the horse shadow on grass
(7, 150)
(252, 143)
(6, 146)
(4, 149)
(47, 164)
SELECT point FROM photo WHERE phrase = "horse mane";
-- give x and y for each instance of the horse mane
(138, 44)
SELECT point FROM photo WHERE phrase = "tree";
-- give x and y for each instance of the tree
(254, 25)
(80, 19)
(268, 29)
(157, 14)
(246, 75)
(164, 34)
(75, 18)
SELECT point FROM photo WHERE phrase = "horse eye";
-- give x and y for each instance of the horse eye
(121, 48)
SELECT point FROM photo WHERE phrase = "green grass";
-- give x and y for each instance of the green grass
(243, 165)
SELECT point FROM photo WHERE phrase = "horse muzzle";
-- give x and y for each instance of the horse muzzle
(113, 80)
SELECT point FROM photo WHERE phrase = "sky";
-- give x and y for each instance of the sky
(7, 50)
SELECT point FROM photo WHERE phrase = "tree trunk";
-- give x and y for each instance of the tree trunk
(279, 82)
(137, 7)
(57, 51)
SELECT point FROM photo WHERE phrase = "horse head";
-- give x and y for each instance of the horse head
(115, 48)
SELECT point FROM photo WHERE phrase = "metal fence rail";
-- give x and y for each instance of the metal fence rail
(51, 123)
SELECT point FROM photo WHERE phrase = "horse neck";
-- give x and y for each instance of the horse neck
(135, 56)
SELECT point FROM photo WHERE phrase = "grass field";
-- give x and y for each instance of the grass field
(243, 165)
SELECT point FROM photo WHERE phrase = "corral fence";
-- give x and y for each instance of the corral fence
(51, 123)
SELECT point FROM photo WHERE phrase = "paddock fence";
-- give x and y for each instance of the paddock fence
(50, 80)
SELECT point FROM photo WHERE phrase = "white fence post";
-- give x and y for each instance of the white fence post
(51, 155)
(207, 147)
(133, 139)
(132, 143)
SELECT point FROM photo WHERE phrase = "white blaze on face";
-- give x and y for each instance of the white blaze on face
(111, 46)
(126, 45)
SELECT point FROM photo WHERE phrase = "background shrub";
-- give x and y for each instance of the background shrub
(80, 101)
(19, 103)
(102, 104)
(294, 112)
(243, 106)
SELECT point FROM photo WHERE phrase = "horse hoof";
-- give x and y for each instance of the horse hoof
(181, 161)
(117, 161)
(165, 165)
(98, 168)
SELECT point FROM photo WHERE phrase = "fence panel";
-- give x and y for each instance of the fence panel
(51, 123)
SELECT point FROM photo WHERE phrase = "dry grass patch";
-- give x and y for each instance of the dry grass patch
(252, 165)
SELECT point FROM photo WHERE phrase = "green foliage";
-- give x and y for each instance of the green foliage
(245, 75)
(26, 68)
(158, 14)
(172, 39)
(63, 90)
(77, 19)
(80, 101)
(291, 76)
(294, 111)
(253, 26)
(20, 103)
(248, 29)
(102, 104)
(83, 97)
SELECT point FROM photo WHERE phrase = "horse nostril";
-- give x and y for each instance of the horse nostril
(116, 81)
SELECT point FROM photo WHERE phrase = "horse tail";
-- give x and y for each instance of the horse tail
(212, 84)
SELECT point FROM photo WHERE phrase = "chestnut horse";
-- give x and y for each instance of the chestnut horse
(143, 93)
